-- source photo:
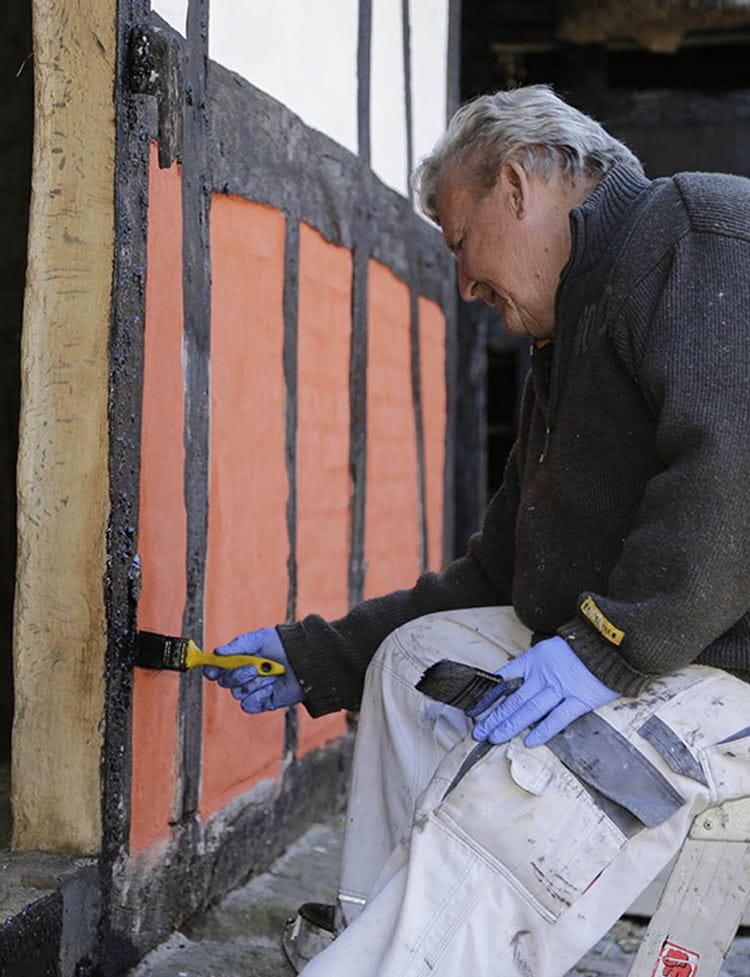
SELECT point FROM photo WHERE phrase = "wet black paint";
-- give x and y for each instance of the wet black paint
(409, 235)
(135, 120)
(153, 67)
(196, 285)
(30, 941)
(291, 320)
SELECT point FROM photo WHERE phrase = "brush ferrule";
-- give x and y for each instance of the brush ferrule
(175, 653)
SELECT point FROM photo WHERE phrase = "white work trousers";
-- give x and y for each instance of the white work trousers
(514, 866)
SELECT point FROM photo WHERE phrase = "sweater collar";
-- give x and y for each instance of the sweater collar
(595, 223)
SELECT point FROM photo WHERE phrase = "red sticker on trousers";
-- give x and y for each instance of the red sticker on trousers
(676, 961)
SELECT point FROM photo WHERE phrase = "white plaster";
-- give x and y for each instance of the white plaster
(302, 52)
(387, 95)
(429, 83)
(173, 11)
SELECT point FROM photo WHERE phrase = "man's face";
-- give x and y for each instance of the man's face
(510, 242)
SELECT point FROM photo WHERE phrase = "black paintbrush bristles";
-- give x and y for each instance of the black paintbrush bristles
(461, 685)
(161, 651)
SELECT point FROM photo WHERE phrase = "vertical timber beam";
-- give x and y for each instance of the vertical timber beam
(358, 357)
(126, 391)
(453, 67)
(196, 201)
(454, 542)
(63, 503)
(411, 251)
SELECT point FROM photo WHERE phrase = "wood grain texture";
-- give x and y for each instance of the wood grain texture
(63, 500)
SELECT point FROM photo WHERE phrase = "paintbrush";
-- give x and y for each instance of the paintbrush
(182, 654)
(462, 685)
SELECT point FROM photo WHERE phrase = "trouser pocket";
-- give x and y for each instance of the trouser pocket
(535, 822)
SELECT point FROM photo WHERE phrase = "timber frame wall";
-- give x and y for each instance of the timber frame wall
(233, 139)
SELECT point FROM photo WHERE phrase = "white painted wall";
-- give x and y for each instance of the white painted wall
(173, 11)
(302, 52)
(429, 83)
(387, 101)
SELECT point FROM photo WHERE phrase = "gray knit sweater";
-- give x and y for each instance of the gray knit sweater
(623, 521)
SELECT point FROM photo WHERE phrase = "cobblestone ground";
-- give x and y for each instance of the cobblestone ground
(240, 938)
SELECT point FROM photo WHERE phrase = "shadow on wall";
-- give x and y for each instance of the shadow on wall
(16, 122)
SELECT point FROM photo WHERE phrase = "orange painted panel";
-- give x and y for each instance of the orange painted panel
(153, 793)
(391, 514)
(248, 545)
(323, 482)
(432, 339)
(162, 521)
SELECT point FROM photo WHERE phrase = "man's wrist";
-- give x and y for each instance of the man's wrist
(602, 659)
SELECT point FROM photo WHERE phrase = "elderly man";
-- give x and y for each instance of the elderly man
(611, 573)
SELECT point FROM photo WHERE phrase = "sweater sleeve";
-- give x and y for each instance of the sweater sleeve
(330, 658)
(682, 579)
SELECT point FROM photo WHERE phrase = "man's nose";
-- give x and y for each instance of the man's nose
(466, 286)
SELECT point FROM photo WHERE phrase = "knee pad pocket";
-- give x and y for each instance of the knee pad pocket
(525, 811)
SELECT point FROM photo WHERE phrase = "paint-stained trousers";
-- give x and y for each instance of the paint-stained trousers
(518, 863)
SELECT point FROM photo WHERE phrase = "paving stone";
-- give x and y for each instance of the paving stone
(26, 877)
(612, 956)
(306, 872)
(240, 937)
(181, 957)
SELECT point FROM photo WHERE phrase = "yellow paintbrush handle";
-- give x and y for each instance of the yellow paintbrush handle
(194, 656)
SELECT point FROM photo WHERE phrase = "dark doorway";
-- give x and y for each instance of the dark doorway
(16, 131)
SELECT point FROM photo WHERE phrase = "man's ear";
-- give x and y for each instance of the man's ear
(515, 187)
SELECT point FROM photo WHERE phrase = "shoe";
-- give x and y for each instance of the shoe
(308, 933)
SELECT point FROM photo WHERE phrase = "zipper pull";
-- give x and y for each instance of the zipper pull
(545, 446)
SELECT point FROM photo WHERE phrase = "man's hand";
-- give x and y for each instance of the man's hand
(557, 689)
(258, 693)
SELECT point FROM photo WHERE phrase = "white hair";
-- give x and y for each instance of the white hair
(530, 125)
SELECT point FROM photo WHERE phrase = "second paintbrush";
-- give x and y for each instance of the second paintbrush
(462, 685)
(162, 651)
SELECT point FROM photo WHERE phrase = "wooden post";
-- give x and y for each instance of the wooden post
(63, 478)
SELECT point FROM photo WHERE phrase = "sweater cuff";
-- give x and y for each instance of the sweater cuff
(312, 675)
(602, 659)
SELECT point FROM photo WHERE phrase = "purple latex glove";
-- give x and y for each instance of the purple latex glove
(257, 693)
(557, 689)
